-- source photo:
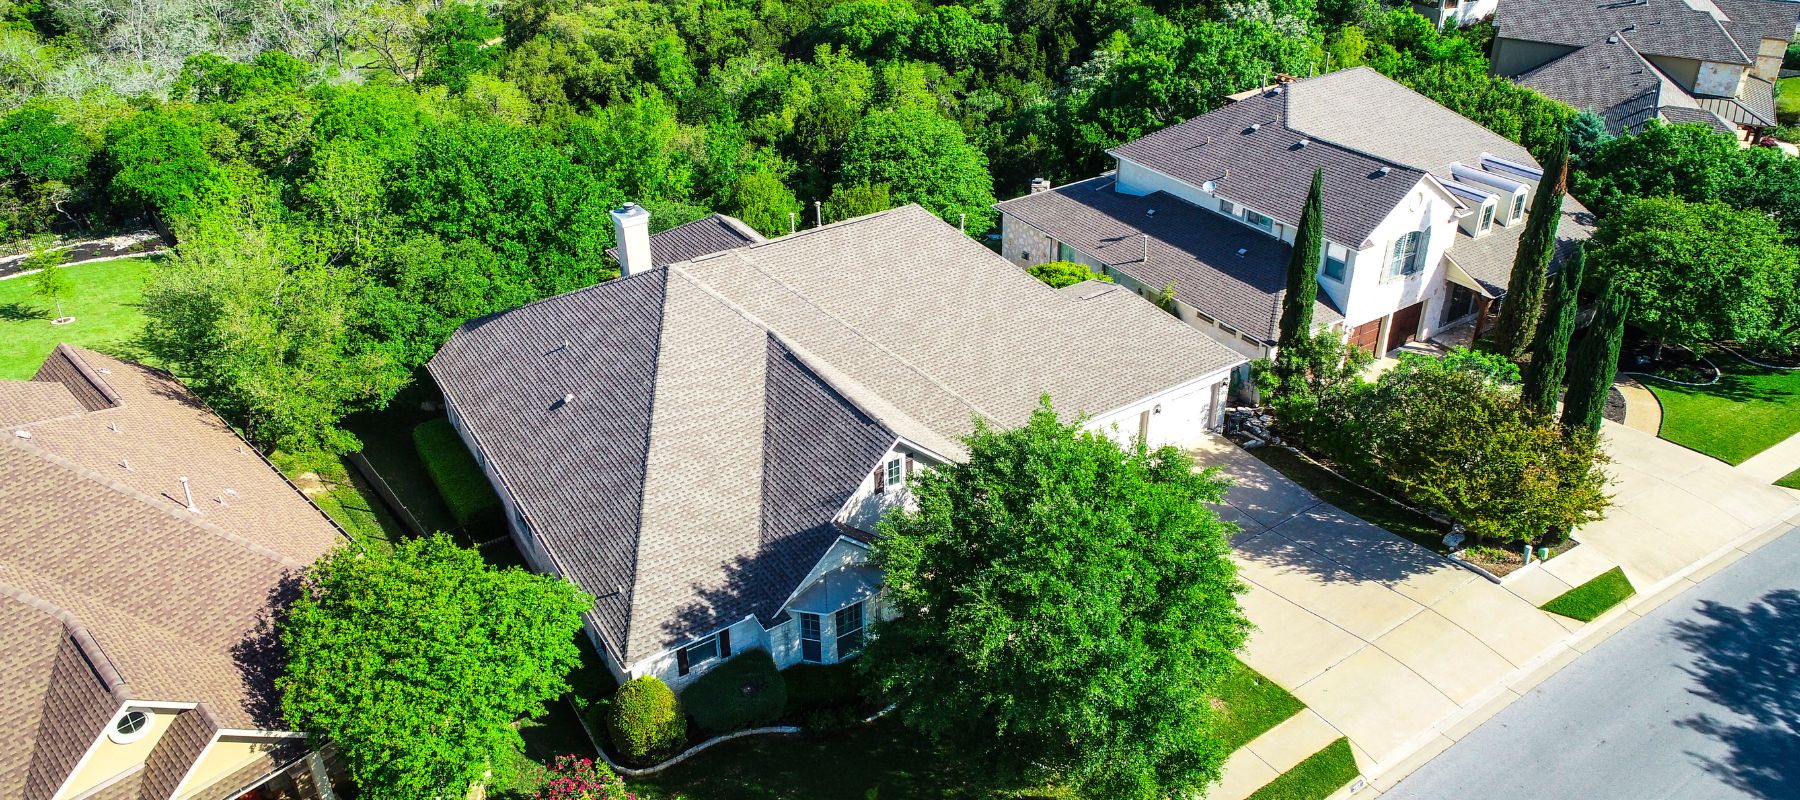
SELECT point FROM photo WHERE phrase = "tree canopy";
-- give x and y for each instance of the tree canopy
(415, 663)
(1066, 604)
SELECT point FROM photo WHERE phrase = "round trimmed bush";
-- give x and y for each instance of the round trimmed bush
(645, 721)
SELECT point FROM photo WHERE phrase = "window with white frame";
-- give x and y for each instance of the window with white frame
(1259, 220)
(1409, 255)
(1518, 205)
(130, 727)
(893, 475)
(1337, 259)
(1227, 207)
(1487, 217)
(702, 651)
(812, 646)
(849, 626)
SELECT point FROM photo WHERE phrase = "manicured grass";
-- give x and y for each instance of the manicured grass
(106, 305)
(1749, 410)
(1250, 704)
(353, 505)
(1367, 506)
(1791, 481)
(459, 479)
(1591, 599)
(1315, 778)
(1787, 100)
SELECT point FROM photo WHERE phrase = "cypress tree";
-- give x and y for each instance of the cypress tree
(1550, 349)
(1525, 289)
(1596, 361)
(1302, 278)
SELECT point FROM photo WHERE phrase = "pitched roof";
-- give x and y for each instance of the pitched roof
(1225, 269)
(1754, 104)
(1366, 111)
(1677, 115)
(701, 237)
(1764, 19)
(1612, 79)
(726, 407)
(1489, 259)
(110, 588)
(1692, 29)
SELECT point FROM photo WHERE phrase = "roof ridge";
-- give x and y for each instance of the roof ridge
(84, 640)
(151, 502)
(745, 255)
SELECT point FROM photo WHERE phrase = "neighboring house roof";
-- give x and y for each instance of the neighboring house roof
(1764, 19)
(1677, 115)
(1692, 29)
(702, 237)
(1612, 79)
(1489, 259)
(1225, 269)
(1753, 106)
(1367, 134)
(110, 589)
(725, 408)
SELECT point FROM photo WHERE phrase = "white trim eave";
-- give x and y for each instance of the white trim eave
(779, 610)
(1216, 194)
(1210, 377)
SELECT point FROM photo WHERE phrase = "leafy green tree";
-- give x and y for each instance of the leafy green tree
(855, 201)
(1066, 605)
(1302, 276)
(210, 77)
(1520, 311)
(1587, 133)
(425, 287)
(956, 37)
(636, 148)
(50, 282)
(1696, 272)
(1058, 274)
(876, 28)
(161, 160)
(924, 159)
(416, 663)
(455, 46)
(1543, 374)
(763, 202)
(1689, 161)
(1597, 361)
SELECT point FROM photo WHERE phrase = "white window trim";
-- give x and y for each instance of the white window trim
(114, 735)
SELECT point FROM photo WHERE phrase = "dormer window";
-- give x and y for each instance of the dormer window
(1259, 220)
(1487, 217)
(1518, 208)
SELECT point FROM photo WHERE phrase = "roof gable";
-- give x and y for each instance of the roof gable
(1668, 28)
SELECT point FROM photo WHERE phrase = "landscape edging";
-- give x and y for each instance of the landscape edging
(629, 772)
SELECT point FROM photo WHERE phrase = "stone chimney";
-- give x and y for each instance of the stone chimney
(631, 227)
(1040, 185)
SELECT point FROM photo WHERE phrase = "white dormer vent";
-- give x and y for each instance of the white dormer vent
(1255, 126)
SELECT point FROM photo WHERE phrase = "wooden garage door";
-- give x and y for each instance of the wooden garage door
(1405, 326)
(1366, 336)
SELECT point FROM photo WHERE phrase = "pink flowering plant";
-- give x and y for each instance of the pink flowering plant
(572, 778)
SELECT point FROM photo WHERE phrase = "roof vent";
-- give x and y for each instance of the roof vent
(23, 434)
(1254, 127)
(568, 398)
(1242, 251)
(1150, 212)
(1302, 143)
(1385, 170)
(1613, 39)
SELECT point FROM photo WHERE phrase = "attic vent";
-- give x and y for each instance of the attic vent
(1254, 127)
(1385, 170)
(1303, 143)
(1150, 212)
(568, 398)
(22, 434)
(1242, 251)
(1614, 39)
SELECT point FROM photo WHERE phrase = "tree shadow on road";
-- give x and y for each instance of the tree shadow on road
(1748, 660)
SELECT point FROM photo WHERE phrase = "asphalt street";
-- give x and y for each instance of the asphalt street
(1700, 700)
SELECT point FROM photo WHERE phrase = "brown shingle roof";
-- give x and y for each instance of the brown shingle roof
(97, 546)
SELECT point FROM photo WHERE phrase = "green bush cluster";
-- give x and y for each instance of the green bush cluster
(644, 721)
(744, 692)
(825, 697)
(458, 478)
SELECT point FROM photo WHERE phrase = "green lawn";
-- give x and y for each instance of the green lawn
(1787, 100)
(106, 305)
(1366, 505)
(330, 484)
(1791, 481)
(1315, 778)
(1591, 599)
(1747, 411)
(1250, 704)
(387, 439)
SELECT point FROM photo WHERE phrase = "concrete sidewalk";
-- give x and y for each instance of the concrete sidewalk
(1774, 463)
(1405, 652)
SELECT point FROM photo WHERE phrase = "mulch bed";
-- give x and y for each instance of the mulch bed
(1776, 358)
(1615, 406)
(1676, 363)
(1512, 560)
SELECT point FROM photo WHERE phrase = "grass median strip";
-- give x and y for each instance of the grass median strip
(1315, 778)
(1591, 599)
(1249, 704)
(1791, 481)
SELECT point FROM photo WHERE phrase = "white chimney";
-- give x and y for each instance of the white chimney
(1039, 185)
(631, 227)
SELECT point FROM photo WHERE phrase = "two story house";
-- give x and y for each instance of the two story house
(706, 445)
(1712, 62)
(144, 551)
(1423, 210)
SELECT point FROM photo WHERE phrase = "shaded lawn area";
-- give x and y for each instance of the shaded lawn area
(1315, 778)
(886, 760)
(334, 488)
(1591, 599)
(106, 304)
(460, 482)
(1791, 481)
(1749, 410)
(1366, 505)
(558, 732)
(387, 438)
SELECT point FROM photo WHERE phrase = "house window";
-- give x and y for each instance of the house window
(811, 648)
(711, 648)
(849, 621)
(1487, 217)
(1259, 220)
(893, 472)
(134, 725)
(1518, 205)
(1227, 207)
(1336, 260)
(1409, 255)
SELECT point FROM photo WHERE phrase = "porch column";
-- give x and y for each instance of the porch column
(1481, 315)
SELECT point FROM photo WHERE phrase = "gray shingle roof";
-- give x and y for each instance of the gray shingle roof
(691, 240)
(1760, 19)
(726, 407)
(1489, 259)
(1608, 78)
(1268, 170)
(1671, 28)
(1366, 111)
(1196, 249)
(1677, 115)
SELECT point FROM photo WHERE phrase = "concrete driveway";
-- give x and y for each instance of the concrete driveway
(1405, 652)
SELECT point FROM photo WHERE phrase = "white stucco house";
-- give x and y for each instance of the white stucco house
(706, 443)
(1423, 210)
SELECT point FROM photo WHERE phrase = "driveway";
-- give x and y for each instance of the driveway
(1696, 701)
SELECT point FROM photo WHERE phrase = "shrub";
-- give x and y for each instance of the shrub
(744, 692)
(645, 721)
(815, 687)
(1058, 274)
(457, 477)
(572, 778)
